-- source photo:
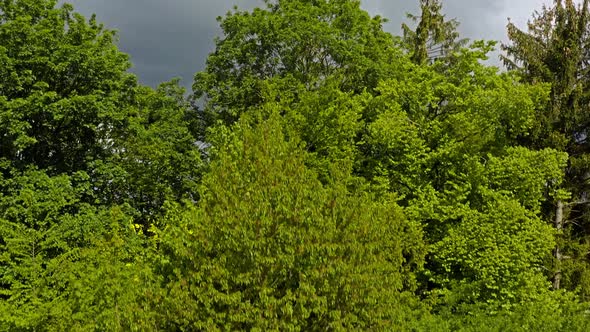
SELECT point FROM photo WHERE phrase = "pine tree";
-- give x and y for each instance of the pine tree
(555, 50)
(434, 36)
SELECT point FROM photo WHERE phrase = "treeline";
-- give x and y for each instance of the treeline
(322, 175)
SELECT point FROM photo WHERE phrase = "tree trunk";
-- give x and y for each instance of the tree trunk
(557, 252)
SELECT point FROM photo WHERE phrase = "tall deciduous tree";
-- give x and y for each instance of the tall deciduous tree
(444, 141)
(80, 142)
(299, 42)
(68, 104)
(269, 247)
(61, 88)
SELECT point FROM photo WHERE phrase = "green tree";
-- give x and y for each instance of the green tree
(84, 152)
(42, 220)
(434, 36)
(108, 285)
(155, 159)
(61, 88)
(556, 312)
(68, 104)
(269, 247)
(299, 43)
(554, 50)
(446, 142)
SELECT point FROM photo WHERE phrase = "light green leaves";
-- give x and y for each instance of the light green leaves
(276, 249)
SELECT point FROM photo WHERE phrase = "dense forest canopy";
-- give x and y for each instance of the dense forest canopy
(322, 175)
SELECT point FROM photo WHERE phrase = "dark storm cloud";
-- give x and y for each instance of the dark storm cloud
(172, 38)
(165, 39)
(479, 19)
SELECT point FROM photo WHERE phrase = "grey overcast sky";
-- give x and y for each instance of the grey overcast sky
(172, 38)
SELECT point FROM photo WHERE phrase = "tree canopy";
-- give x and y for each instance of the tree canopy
(323, 174)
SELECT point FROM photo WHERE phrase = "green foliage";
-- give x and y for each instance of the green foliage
(41, 220)
(66, 265)
(302, 42)
(61, 81)
(553, 50)
(328, 121)
(157, 159)
(443, 141)
(494, 254)
(270, 247)
(434, 38)
(334, 180)
(109, 285)
(84, 151)
(551, 312)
